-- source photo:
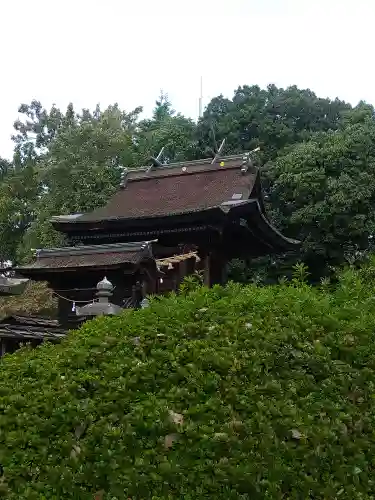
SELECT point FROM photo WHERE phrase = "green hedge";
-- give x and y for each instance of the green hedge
(232, 393)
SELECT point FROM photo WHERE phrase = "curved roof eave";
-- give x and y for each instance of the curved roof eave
(273, 235)
(258, 224)
(144, 221)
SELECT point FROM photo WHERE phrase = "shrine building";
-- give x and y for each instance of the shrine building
(163, 223)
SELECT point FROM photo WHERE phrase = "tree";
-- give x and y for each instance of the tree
(163, 108)
(36, 130)
(75, 161)
(273, 118)
(81, 169)
(5, 166)
(173, 132)
(18, 192)
(323, 192)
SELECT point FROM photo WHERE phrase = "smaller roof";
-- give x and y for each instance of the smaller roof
(12, 286)
(90, 256)
(24, 328)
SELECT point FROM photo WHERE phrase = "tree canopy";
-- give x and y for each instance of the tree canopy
(325, 192)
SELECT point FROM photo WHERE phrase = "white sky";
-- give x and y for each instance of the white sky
(90, 51)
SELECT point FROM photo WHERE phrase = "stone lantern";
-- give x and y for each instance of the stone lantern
(102, 307)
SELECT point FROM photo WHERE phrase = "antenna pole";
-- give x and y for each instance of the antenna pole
(201, 100)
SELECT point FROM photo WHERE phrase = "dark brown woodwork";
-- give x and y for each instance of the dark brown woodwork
(214, 267)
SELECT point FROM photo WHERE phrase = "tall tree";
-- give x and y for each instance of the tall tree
(81, 168)
(5, 166)
(323, 192)
(163, 108)
(166, 129)
(272, 118)
(35, 130)
(18, 192)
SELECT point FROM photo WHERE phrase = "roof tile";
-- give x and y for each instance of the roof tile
(167, 191)
(30, 328)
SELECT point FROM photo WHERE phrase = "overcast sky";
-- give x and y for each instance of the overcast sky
(125, 51)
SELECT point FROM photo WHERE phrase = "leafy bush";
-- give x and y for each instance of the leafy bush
(228, 393)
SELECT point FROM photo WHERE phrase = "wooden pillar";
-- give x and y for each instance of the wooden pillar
(176, 276)
(218, 266)
(182, 272)
(150, 281)
(190, 266)
(214, 269)
(3, 347)
(137, 293)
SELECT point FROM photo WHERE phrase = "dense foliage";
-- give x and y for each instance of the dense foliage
(325, 192)
(224, 393)
(317, 156)
(272, 118)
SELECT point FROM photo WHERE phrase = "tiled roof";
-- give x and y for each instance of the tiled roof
(30, 320)
(89, 256)
(25, 328)
(12, 286)
(176, 189)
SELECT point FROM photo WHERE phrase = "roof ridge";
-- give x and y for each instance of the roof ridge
(195, 162)
(177, 173)
(166, 169)
(33, 320)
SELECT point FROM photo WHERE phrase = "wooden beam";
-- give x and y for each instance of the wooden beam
(206, 270)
